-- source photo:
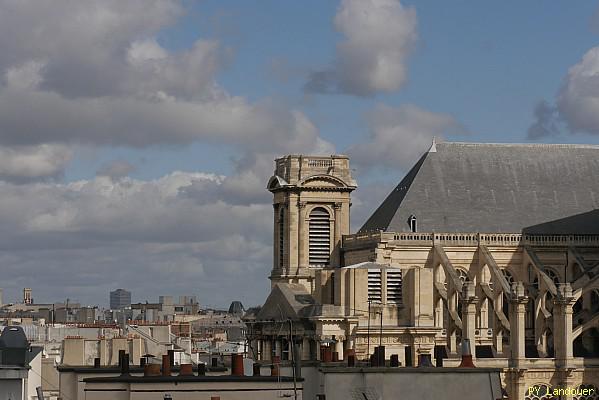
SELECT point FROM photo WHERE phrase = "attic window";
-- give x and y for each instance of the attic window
(413, 223)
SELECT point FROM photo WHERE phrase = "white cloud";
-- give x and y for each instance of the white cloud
(25, 163)
(578, 99)
(576, 107)
(127, 229)
(379, 36)
(399, 136)
(94, 73)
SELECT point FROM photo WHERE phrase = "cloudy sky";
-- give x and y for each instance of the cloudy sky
(137, 137)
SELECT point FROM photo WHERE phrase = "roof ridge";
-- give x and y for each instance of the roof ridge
(539, 145)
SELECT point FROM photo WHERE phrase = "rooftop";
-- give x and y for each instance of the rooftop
(496, 188)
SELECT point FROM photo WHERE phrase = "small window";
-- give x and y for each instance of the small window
(413, 223)
(374, 285)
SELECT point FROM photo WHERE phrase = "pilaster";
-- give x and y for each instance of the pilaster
(562, 326)
(518, 303)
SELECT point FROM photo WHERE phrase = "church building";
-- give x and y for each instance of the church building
(494, 243)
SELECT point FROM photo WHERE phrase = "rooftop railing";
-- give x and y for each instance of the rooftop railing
(471, 239)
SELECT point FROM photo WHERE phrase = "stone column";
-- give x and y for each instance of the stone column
(305, 348)
(276, 268)
(302, 235)
(469, 301)
(292, 235)
(484, 315)
(266, 350)
(562, 326)
(339, 348)
(422, 297)
(518, 303)
(278, 347)
(336, 237)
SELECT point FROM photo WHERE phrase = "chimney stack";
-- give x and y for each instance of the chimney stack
(237, 364)
(466, 355)
(166, 365)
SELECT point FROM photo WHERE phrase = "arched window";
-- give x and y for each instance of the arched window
(463, 275)
(319, 237)
(508, 277)
(552, 275)
(413, 222)
(505, 301)
(281, 237)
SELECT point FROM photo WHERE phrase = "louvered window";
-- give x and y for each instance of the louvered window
(281, 237)
(320, 237)
(374, 285)
(394, 286)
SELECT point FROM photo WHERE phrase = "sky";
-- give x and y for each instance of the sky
(137, 137)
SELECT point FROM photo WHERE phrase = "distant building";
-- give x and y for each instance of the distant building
(236, 308)
(120, 299)
(27, 299)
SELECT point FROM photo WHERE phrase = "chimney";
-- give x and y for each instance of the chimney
(466, 355)
(276, 363)
(237, 364)
(125, 364)
(121, 354)
(152, 370)
(171, 357)
(186, 370)
(166, 365)
(351, 357)
(424, 360)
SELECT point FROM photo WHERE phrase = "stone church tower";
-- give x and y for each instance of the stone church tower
(311, 201)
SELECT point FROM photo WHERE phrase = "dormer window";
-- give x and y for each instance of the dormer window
(413, 223)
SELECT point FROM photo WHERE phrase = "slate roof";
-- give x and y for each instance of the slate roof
(494, 188)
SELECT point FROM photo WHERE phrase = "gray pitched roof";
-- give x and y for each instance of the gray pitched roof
(475, 187)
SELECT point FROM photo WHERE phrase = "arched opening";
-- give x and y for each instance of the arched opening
(549, 344)
(552, 275)
(509, 277)
(319, 237)
(463, 276)
(587, 344)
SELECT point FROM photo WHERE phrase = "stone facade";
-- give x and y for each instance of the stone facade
(528, 303)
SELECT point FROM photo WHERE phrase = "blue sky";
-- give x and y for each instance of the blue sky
(486, 64)
(126, 128)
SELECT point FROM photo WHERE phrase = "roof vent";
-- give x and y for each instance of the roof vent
(433, 148)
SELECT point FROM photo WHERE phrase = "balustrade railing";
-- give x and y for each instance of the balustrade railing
(472, 239)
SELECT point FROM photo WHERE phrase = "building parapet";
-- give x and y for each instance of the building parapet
(468, 239)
